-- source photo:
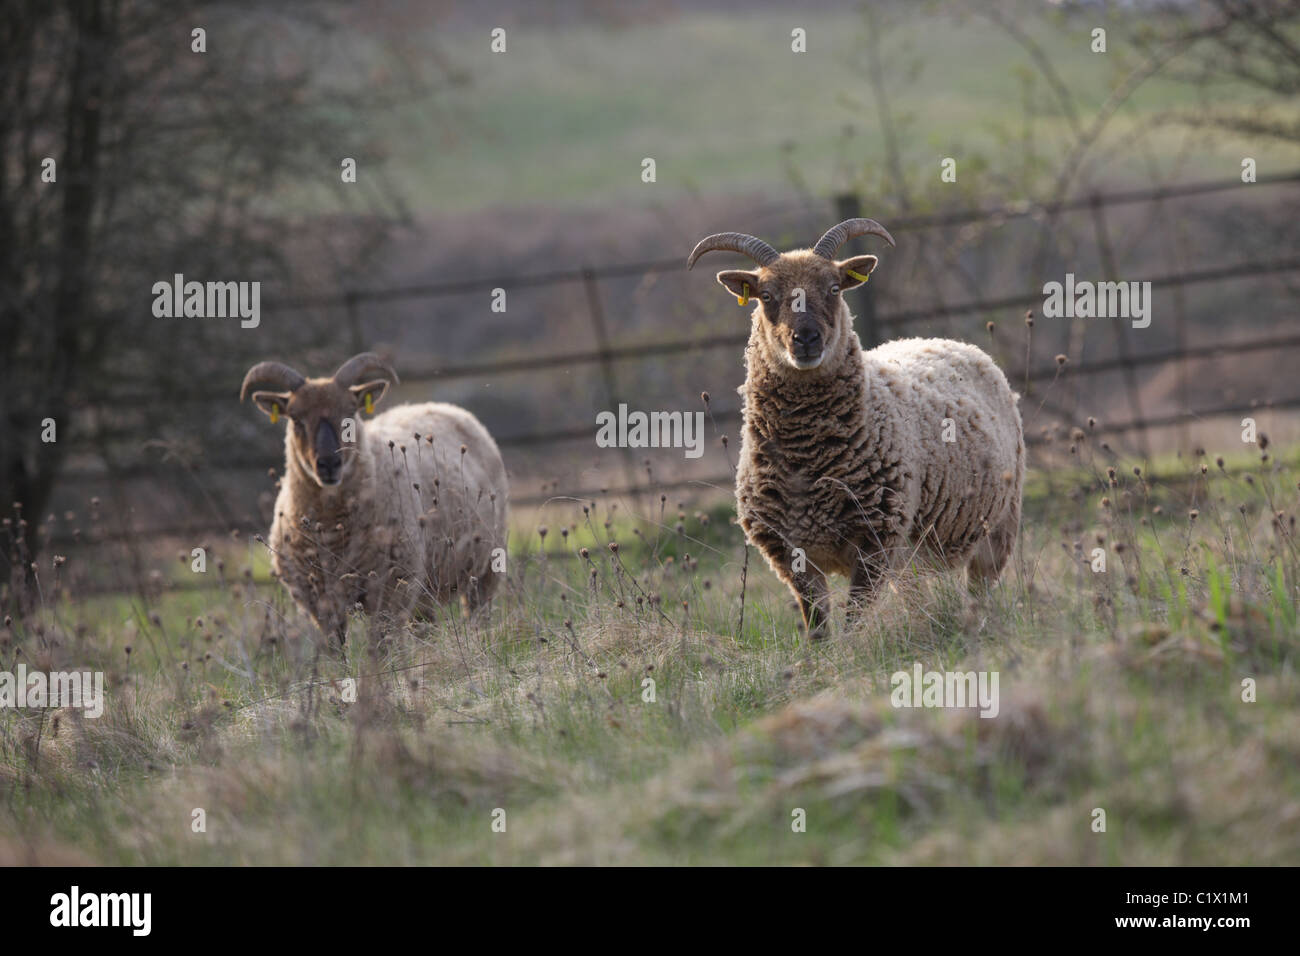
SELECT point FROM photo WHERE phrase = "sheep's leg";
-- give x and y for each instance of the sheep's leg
(334, 628)
(863, 584)
(994, 550)
(814, 602)
(474, 599)
(808, 583)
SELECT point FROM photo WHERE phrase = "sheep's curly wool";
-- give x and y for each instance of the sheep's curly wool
(413, 525)
(849, 462)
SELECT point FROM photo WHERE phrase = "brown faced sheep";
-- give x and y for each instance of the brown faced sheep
(402, 512)
(853, 461)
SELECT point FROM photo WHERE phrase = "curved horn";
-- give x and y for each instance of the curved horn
(276, 375)
(756, 249)
(836, 236)
(362, 366)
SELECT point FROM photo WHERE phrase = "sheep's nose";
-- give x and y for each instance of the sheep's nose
(807, 337)
(328, 467)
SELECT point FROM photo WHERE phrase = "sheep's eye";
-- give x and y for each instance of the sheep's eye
(765, 296)
(835, 290)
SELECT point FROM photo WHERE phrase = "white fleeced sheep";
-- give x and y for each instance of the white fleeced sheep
(853, 462)
(404, 511)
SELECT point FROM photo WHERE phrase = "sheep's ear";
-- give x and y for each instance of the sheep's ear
(854, 272)
(369, 394)
(743, 285)
(273, 404)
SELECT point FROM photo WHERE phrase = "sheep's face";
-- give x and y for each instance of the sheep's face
(801, 316)
(324, 424)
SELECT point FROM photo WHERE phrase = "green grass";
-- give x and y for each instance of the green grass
(566, 115)
(1119, 690)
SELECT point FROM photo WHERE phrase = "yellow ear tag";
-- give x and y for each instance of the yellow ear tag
(745, 298)
(275, 412)
(859, 277)
(370, 404)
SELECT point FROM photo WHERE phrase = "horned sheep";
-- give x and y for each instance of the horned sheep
(853, 461)
(400, 513)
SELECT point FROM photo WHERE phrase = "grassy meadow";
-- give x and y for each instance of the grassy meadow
(1120, 690)
(569, 111)
(641, 692)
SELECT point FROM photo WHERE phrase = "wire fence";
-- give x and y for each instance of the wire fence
(608, 351)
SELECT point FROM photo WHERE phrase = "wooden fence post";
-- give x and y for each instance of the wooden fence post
(847, 206)
(1121, 327)
(350, 300)
(597, 314)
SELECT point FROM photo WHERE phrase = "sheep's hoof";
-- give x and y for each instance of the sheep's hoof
(819, 633)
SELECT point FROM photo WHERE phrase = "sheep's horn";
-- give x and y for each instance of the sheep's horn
(363, 367)
(274, 374)
(836, 236)
(756, 249)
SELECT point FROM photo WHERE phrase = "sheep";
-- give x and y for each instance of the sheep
(402, 513)
(853, 461)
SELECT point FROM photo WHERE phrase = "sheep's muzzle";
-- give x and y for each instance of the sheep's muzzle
(329, 456)
(807, 346)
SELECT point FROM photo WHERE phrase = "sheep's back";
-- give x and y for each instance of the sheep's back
(948, 389)
(461, 498)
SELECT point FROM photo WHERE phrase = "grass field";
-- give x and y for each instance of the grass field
(1119, 690)
(567, 113)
